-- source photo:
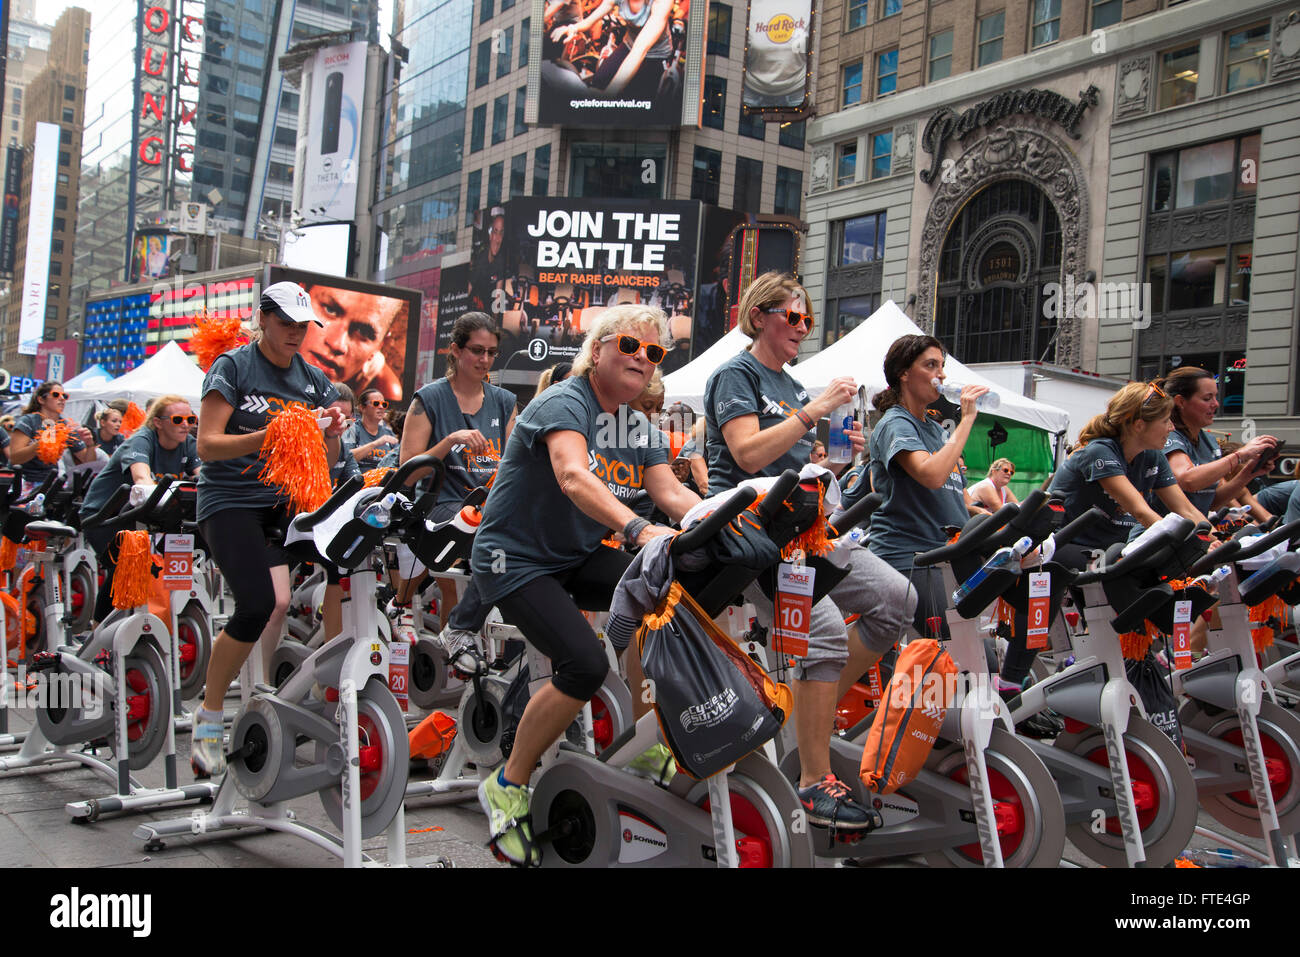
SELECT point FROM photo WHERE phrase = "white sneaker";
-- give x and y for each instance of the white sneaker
(461, 649)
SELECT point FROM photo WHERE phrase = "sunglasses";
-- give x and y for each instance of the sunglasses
(378, 403)
(796, 319)
(631, 345)
(185, 420)
(56, 394)
(1154, 392)
(478, 352)
(1007, 471)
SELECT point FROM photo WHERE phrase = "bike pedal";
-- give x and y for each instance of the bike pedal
(44, 661)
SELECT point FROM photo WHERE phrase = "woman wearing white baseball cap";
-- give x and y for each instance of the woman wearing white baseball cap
(237, 513)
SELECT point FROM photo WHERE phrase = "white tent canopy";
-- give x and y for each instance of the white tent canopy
(169, 371)
(861, 354)
(687, 383)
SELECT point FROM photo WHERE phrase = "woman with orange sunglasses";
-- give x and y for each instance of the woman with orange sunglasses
(369, 437)
(45, 409)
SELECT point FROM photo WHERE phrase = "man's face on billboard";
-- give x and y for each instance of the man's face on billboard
(355, 326)
(496, 235)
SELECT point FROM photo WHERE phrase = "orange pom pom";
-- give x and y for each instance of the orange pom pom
(214, 336)
(296, 464)
(134, 574)
(1184, 862)
(1136, 645)
(377, 476)
(1270, 615)
(52, 440)
(133, 419)
(8, 554)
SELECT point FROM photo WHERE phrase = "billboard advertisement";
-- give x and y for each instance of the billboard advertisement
(778, 45)
(40, 231)
(453, 302)
(371, 333)
(618, 63)
(333, 132)
(151, 254)
(9, 219)
(322, 248)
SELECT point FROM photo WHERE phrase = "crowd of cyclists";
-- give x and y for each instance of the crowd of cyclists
(591, 469)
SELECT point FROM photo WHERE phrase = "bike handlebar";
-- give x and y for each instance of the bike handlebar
(1091, 517)
(856, 514)
(775, 495)
(1144, 551)
(41, 489)
(109, 509)
(414, 464)
(695, 536)
(1265, 542)
(341, 495)
(972, 536)
(131, 514)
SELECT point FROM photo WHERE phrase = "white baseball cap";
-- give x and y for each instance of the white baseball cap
(290, 301)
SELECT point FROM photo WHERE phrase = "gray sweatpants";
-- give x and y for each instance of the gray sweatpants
(874, 591)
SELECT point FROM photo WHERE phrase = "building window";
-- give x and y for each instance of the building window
(473, 196)
(69, 92)
(496, 173)
(857, 14)
(890, 7)
(749, 185)
(886, 72)
(1047, 22)
(542, 170)
(505, 51)
(789, 191)
(485, 11)
(706, 171)
(524, 26)
(1106, 13)
(792, 135)
(719, 30)
(940, 55)
(715, 102)
(507, 5)
(521, 103)
(853, 242)
(60, 224)
(1178, 75)
(56, 247)
(68, 115)
(483, 65)
(500, 110)
(1200, 175)
(846, 163)
(518, 173)
(60, 202)
(851, 84)
(751, 124)
(477, 127)
(1247, 58)
(990, 38)
(860, 240)
(65, 159)
(882, 152)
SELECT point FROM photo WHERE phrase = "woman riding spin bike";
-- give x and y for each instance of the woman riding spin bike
(165, 446)
(370, 437)
(760, 423)
(108, 436)
(576, 456)
(45, 409)
(992, 493)
(235, 510)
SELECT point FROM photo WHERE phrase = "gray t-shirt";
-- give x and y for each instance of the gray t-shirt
(466, 471)
(912, 517)
(143, 447)
(34, 470)
(1203, 451)
(357, 436)
(744, 386)
(1078, 482)
(530, 527)
(345, 466)
(256, 388)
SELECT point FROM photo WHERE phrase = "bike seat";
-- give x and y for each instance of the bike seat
(45, 530)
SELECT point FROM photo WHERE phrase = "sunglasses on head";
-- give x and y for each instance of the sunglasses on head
(796, 319)
(631, 345)
(378, 403)
(1154, 392)
(185, 420)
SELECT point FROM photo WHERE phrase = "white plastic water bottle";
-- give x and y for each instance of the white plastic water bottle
(378, 514)
(467, 519)
(1211, 580)
(951, 391)
(838, 447)
(1004, 558)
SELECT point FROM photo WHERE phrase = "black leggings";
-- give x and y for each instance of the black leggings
(546, 611)
(105, 545)
(238, 541)
(1020, 658)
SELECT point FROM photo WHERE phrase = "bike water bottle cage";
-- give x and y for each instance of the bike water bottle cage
(439, 546)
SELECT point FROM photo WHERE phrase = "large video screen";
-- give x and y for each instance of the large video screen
(371, 335)
(618, 63)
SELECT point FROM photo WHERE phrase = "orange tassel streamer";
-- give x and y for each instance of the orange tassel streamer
(294, 451)
(1184, 862)
(134, 574)
(377, 476)
(1270, 615)
(1136, 645)
(8, 554)
(51, 441)
(1006, 615)
(133, 419)
(213, 337)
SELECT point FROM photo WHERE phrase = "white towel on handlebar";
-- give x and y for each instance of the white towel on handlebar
(761, 485)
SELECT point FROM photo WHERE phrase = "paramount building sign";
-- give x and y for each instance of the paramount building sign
(945, 124)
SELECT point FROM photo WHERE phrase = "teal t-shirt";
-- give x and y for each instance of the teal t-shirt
(142, 447)
(357, 436)
(530, 527)
(912, 517)
(466, 471)
(1078, 482)
(34, 470)
(256, 389)
(1203, 451)
(744, 386)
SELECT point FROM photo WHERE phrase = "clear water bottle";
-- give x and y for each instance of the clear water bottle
(951, 391)
(839, 449)
(1211, 580)
(38, 505)
(1219, 857)
(378, 514)
(858, 536)
(1004, 558)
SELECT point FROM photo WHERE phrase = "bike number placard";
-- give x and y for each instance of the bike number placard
(1040, 594)
(1182, 634)
(399, 671)
(794, 590)
(178, 562)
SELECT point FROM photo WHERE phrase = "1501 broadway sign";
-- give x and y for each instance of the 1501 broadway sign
(777, 45)
(945, 124)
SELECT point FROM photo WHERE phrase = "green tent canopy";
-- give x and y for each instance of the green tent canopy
(1029, 448)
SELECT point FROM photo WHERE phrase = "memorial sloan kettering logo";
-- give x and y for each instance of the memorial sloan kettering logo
(78, 911)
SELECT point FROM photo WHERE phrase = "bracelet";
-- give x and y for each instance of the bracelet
(633, 529)
(804, 418)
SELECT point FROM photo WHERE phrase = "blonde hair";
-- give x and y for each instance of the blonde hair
(615, 320)
(768, 291)
(998, 463)
(655, 387)
(1135, 401)
(156, 407)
